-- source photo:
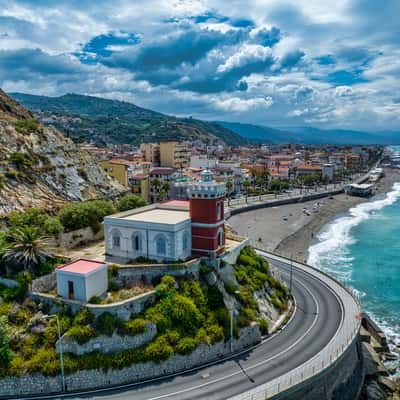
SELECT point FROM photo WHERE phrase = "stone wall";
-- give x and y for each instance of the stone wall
(45, 283)
(342, 381)
(123, 309)
(97, 378)
(108, 344)
(79, 237)
(128, 275)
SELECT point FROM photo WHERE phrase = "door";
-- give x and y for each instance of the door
(70, 290)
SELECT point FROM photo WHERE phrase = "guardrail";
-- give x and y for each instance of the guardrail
(295, 194)
(346, 334)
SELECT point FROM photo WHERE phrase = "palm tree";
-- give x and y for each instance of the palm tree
(229, 188)
(26, 249)
(246, 185)
(155, 186)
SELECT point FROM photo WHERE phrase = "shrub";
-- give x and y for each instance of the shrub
(264, 326)
(172, 337)
(95, 300)
(159, 350)
(186, 345)
(162, 290)
(106, 323)
(169, 281)
(83, 317)
(6, 355)
(26, 126)
(130, 201)
(82, 334)
(21, 161)
(215, 333)
(215, 298)
(133, 327)
(230, 288)
(85, 214)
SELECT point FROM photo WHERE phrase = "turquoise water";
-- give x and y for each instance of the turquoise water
(362, 248)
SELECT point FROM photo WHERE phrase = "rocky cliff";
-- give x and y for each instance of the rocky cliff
(39, 167)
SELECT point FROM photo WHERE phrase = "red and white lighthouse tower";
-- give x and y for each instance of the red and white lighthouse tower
(206, 199)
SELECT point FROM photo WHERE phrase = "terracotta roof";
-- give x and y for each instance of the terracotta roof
(82, 266)
(162, 171)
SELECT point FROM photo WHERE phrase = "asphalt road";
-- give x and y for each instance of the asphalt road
(316, 320)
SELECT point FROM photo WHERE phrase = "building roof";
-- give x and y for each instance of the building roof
(160, 216)
(176, 203)
(81, 266)
(162, 171)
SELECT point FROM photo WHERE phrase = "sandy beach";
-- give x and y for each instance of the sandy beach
(289, 230)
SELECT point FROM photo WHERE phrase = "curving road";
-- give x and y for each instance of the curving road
(318, 316)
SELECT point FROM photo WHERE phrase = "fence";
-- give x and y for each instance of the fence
(346, 334)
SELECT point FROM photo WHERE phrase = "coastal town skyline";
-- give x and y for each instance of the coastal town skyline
(256, 62)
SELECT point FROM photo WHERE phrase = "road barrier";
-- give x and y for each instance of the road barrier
(346, 334)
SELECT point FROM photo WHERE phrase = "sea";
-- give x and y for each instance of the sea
(362, 249)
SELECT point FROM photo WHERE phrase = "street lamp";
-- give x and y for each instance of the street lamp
(231, 310)
(47, 317)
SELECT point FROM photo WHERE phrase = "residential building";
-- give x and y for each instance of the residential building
(117, 169)
(151, 153)
(173, 155)
(140, 185)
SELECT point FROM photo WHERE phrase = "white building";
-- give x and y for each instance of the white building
(82, 279)
(160, 231)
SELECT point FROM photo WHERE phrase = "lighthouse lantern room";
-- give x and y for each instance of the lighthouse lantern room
(206, 199)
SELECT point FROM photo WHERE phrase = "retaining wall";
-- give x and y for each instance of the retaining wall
(123, 309)
(97, 378)
(108, 344)
(341, 381)
(78, 237)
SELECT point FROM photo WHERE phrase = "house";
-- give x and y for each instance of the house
(82, 279)
(172, 230)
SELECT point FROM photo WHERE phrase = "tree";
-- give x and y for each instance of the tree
(246, 185)
(85, 214)
(130, 201)
(155, 185)
(6, 355)
(27, 248)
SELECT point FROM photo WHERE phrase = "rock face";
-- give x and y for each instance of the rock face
(39, 167)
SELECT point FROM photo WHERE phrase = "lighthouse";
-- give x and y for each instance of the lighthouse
(206, 199)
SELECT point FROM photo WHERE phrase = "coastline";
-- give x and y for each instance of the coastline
(289, 231)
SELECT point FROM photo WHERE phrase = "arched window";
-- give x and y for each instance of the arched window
(161, 244)
(218, 211)
(185, 241)
(220, 237)
(116, 239)
(137, 241)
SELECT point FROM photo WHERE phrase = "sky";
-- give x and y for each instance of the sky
(330, 63)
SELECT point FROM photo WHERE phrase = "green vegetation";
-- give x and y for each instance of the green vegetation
(27, 126)
(6, 353)
(121, 122)
(82, 215)
(130, 201)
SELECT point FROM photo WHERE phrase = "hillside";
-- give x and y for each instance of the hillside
(39, 167)
(112, 121)
(311, 135)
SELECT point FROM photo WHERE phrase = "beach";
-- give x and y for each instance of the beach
(290, 229)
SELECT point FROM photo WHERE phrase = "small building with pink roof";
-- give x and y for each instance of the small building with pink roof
(82, 279)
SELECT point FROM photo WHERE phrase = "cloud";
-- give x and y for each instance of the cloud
(334, 63)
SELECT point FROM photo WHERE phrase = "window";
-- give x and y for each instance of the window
(218, 211)
(220, 237)
(136, 242)
(185, 241)
(161, 245)
(116, 239)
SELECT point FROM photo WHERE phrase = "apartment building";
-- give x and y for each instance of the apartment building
(151, 153)
(173, 155)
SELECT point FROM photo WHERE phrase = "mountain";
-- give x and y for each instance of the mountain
(39, 167)
(311, 135)
(111, 121)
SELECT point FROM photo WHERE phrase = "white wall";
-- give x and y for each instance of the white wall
(174, 242)
(79, 285)
(97, 283)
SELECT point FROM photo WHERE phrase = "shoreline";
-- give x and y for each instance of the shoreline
(289, 231)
